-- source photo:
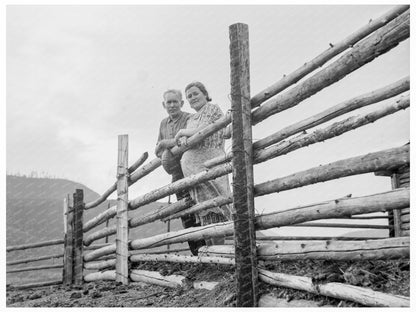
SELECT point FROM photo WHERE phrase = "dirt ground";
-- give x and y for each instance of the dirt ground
(386, 276)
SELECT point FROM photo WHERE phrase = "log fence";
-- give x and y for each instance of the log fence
(111, 261)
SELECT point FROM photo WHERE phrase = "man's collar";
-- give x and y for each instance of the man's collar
(175, 119)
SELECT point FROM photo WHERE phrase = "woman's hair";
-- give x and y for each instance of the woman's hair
(201, 87)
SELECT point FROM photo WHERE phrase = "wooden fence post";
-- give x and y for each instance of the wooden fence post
(243, 185)
(68, 242)
(78, 236)
(122, 252)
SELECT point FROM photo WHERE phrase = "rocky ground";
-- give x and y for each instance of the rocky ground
(386, 276)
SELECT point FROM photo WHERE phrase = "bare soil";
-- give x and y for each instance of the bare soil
(386, 276)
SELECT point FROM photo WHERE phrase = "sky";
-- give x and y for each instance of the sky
(79, 76)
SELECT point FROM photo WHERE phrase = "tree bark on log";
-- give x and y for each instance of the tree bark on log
(36, 268)
(383, 160)
(331, 238)
(327, 55)
(100, 252)
(387, 201)
(35, 245)
(122, 235)
(378, 43)
(380, 249)
(40, 284)
(96, 246)
(341, 225)
(365, 296)
(55, 256)
(150, 277)
(100, 276)
(99, 265)
(181, 259)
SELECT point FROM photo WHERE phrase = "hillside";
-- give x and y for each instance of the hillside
(34, 213)
(35, 209)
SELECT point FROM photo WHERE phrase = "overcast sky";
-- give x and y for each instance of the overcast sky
(78, 76)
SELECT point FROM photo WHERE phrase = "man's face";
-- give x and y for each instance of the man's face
(172, 104)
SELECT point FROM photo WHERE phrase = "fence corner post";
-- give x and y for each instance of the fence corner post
(122, 252)
(78, 236)
(68, 243)
(243, 182)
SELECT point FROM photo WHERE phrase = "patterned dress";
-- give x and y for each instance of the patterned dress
(192, 162)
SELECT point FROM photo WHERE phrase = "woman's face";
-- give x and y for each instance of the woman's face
(196, 98)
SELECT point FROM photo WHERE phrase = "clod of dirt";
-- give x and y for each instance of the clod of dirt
(76, 295)
(34, 296)
(96, 294)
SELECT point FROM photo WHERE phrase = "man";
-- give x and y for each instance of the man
(168, 128)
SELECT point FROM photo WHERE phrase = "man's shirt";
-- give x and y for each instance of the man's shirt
(170, 127)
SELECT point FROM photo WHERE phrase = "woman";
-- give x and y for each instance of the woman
(193, 159)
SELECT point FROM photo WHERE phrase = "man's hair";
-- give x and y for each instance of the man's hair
(174, 91)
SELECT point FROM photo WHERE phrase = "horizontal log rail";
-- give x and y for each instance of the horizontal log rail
(386, 248)
(109, 275)
(383, 160)
(396, 199)
(96, 246)
(365, 296)
(35, 245)
(342, 225)
(325, 56)
(360, 101)
(156, 252)
(380, 249)
(103, 251)
(35, 268)
(378, 43)
(330, 238)
(55, 256)
(333, 130)
(152, 277)
(112, 188)
(181, 259)
(101, 264)
(37, 284)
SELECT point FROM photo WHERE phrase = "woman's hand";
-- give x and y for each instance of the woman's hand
(182, 141)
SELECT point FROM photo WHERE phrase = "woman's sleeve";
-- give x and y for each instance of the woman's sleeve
(214, 113)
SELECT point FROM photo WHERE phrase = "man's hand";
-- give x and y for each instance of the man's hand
(160, 147)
